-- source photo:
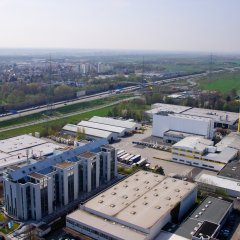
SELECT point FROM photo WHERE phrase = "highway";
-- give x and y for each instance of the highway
(65, 115)
(57, 105)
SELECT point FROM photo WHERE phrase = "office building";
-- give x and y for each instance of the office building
(37, 190)
(200, 152)
(21, 150)
(136, 208)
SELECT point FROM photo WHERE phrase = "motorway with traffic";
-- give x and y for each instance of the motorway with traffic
(56, 105)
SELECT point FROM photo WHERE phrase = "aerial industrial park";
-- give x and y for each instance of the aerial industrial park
(119, 120)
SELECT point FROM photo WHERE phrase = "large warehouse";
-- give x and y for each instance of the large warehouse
(91, 133)
(128, 124)
(220, 118)
(136, 208)
(163, 122)
(200, 152)
(118, 130)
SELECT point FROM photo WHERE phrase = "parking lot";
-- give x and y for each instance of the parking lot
(154, 156)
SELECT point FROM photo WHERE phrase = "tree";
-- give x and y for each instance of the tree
(159, 170)
(81, 135)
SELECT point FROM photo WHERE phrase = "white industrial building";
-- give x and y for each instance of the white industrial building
(220, 118)
(212, 183)
(91, 133)
(181, 124)
(18, 151)
(136, 208)
(38, 189)
(114, 129)
(200, 152)
(129, 125)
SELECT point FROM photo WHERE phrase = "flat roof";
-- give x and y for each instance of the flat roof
(47, 162)
(36, 175)
(18, 143)
(211, 210)
(194, 143)
(102, 126)
(109, 227)
(141, 199)
(217, 115)
(224, 156)
(219, 182)
(87, 155)
(157, 107)
(231, 140)
(206, 229)
(231, 170)
(214, 210)
(188, 228)
(4, 155)
(169, 236)
(114, 122)
(64, 164)
(183, 116)
(88, 131)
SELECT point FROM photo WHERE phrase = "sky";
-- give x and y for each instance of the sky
(164, 25)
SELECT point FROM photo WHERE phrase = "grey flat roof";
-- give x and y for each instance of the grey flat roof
(88, 131)
(114, 122)
(215, 210)
(231, 170)
(187, 227)
(102, 126)
(211, 210)
(20, 142)
(216, 115)
(232, 140)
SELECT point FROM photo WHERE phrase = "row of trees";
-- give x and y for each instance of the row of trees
(19, 96)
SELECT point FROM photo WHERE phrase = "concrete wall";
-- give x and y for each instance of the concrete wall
(162, 124)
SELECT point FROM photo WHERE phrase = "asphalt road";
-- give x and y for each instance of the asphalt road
(65, 115)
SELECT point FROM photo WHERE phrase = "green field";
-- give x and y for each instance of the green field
(40, 127)
(63, 110)
(222, 83)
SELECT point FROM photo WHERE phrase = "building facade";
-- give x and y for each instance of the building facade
(39, 193)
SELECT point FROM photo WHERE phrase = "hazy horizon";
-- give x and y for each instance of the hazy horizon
(186, 26)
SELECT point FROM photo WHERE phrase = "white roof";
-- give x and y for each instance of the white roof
(88, 131)
(232, 140)
(224, 156)
(219, 182)
(102, 126)
(157, 107)
(21, 142)
(194, 143)
(142, 199)
(114, 122)
(216, 115)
